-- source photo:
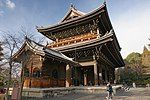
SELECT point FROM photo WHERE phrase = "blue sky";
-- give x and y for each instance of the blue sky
(130, 18)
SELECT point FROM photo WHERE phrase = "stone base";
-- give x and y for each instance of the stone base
(50, 92)
(46, 92)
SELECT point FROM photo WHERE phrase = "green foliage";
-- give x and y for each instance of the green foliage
(129, 76)
(1, 81)
(133, 69)
(133, 58)
(1, 84)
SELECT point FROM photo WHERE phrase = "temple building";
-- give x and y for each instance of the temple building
(43, 67)
(146, 59)
(83, 43)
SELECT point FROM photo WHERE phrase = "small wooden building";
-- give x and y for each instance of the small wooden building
(44, 67)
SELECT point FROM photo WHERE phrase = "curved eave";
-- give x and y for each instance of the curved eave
(118, 55)
(26, 46)
(114, 52)
(111, 27)
(19, 52)
(40, 50)
(73, 63)
(74, 20)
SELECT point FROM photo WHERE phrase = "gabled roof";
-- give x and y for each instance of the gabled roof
(72, 13)
(42, 51)
(73, 21)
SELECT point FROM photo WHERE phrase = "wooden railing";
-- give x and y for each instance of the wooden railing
(73, 39)
(43, 83)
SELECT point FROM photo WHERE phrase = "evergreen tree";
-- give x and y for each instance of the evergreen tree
(133, 68)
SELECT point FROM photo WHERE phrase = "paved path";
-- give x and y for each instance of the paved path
(132, 94)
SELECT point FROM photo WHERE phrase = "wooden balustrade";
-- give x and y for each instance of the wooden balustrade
(74, 39)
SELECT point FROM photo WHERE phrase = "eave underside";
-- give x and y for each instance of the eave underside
(108, 52)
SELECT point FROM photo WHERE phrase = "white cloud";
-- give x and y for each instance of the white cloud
(1, 13)
(10, 4)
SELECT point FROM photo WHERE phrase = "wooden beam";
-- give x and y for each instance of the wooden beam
(102, 56)
(112, 54)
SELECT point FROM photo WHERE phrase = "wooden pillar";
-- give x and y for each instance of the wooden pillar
(95, 73)
(68, 76)
(100, 75)
(113, 75)
(108, 75)
(106, 78)
(85, 79)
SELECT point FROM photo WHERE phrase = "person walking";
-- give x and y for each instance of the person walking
(109, 91)
(134, 85)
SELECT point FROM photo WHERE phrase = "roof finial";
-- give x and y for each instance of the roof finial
(104, 2)
(26, 37)
(72, 6)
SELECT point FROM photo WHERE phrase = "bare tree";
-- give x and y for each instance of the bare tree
(11, 45)
(12, 42)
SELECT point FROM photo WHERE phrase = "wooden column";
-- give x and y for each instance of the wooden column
(113, 75)
(106, 78)
(95, 73)
(68, 76)
(85, 79)
(100, 74)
